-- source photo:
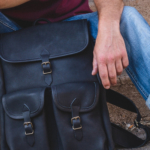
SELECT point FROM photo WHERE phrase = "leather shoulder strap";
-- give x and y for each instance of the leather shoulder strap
(121, 136)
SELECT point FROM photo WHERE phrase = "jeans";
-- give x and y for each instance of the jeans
(136, 33)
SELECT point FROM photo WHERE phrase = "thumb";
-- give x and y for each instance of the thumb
(95, 66)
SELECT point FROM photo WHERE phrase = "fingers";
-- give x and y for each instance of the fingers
(110, 60)
(112, 73)
(103, 73)
(95, 66)
(125, 61)
(119, 67)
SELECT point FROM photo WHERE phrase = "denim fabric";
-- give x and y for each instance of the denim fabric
(136, 33)
(7, 25)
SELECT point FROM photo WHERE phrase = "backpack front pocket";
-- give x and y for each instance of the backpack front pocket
(25, 125)
(78, 116)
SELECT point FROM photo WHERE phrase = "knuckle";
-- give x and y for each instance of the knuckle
(119, 72)
(114, 83)
(106, 84)
(101, 59)
(111, 58)
(124, 53)
(95, 68)
(104, 75)
(112, 76)
(126, 64)
(118, 55)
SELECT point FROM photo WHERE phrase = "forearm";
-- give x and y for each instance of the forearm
(110, 55)
(5, 4)
(109, 11)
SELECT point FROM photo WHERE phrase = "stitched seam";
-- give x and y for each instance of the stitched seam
(86, 40)
(5, 103)
(7, 26)
(37, 59)
(138, 85)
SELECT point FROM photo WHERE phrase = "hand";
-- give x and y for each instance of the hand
(110, 56)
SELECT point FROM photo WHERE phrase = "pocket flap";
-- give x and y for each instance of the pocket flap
(59, 39)
(13, 103)
(88, 93)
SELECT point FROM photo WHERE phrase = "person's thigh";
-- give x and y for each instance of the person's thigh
(136, 33)
(7, 25)
(92, 19)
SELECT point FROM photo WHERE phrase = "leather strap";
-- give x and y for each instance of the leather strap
(76, 121)
(119, 100)
(46, 65)
(41, 19)
(29, 132)
(121, 136)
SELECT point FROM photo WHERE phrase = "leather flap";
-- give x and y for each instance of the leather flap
(59, 39)
(13, 103)
(88, 94)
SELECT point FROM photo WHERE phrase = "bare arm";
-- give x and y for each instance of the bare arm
(110, 56)
(4, 4)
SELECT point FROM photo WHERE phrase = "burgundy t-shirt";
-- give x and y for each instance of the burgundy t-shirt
(53, 10)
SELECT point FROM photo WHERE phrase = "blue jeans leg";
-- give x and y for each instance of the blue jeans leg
(7, 25)
(136, 33)
(92, 20)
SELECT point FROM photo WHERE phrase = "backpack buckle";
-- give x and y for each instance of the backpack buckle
(46, 63)
(76, 118)
(29, 123)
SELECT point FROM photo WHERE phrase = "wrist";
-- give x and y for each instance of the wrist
(107, 27)
(111, 12)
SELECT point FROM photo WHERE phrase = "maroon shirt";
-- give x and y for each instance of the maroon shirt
(53, 10)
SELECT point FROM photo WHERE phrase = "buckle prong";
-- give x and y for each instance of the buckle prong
(45, 63)
(76, 118)
(27, 123)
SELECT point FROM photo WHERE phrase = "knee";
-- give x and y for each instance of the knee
(129, 12)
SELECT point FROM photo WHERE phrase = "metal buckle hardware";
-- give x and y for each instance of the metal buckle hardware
(29, 133)
(75, 118)
(137, 123)
(27, 123)
(76, 128)
(45, 63)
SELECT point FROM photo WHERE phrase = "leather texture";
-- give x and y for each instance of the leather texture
(25, 124)
(68, 56)
(47, 75)
(80, 100)
(18, 99)
(49, 36)
(2, 122)
(49, 99)
(39, 62)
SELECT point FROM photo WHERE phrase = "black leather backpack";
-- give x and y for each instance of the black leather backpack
(49, 99)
